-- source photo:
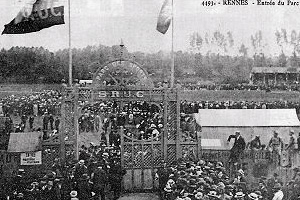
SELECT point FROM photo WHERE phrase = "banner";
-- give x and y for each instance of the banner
(31, 158)
(42, 14)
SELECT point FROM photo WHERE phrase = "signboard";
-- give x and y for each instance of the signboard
(31, 158)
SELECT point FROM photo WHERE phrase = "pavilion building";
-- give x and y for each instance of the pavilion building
(274, 75)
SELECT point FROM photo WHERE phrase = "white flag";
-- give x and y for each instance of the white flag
(165, 17)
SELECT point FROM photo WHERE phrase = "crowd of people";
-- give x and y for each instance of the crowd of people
(209, 180)
(192, 107)
(98, 173)
(243, 86)
(36, 103)
(139, 119)
(98, 169)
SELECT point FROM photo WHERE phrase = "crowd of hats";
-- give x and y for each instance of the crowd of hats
(46, 101)
(139, 119)
(26, 186)
(204, 180)
(244, 86)
(100, 153)
(192, 107)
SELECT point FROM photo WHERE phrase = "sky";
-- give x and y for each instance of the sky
(95, 22)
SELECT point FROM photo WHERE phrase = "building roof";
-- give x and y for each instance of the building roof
(24, 142)
(247, 118)
(272, 70)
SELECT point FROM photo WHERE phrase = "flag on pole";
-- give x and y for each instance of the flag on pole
(165, 17)
(35, 16)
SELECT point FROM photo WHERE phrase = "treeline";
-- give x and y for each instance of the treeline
(213, 57)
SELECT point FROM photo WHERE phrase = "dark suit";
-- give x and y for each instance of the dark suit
(99, 179)
(237, 149)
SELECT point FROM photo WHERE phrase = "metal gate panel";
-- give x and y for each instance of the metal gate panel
(127, 180)
(148, 179)
(138, 179)
(171, 157)
(141, 158)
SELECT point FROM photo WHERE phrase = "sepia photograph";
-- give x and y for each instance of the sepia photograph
(150, 100)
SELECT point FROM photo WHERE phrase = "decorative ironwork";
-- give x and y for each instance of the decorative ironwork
(69, 94)
(69, 120)
(157, 155)
(137, 156)
(85, 94)
(127, 156)
(122, 73)
(171, 156)
(172, 118)
(147, 155)
(49, 154)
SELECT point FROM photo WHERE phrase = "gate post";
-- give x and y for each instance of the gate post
(122, 145)
(165, 135)
(199, 145)
(178, 130)
(76, 130)
(62, 134)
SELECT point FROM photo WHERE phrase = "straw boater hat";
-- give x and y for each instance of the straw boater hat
(253, 196)
(213, 194)
(20, 195)
(239, 195)
(81, 162)
(168, 188)
(73, 193)
(258, 194)
(199, 195)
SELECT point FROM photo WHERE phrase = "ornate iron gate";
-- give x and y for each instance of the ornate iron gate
(139, 156)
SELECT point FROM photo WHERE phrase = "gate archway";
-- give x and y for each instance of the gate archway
(142, 149)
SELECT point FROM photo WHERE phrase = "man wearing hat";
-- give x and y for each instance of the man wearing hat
(253, 196)
(255, 143)
(117, 173)
(73, 195)
(276, 144)
(213, 195)
(84, 190)
(239, 195)
(163, 175)
(80, 169)
(292, 146)
(99, 179)
(278, 192)
(19, 181)
(238, 147)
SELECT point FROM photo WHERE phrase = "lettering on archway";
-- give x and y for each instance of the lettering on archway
(124, 82)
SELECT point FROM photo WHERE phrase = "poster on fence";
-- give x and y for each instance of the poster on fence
(31, 158)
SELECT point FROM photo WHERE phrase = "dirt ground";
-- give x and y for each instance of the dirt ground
(139, 196)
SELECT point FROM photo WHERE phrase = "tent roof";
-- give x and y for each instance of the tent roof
(24, 142)
(247, 117)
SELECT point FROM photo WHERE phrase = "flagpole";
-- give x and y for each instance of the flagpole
(172, 51)
(70, 46)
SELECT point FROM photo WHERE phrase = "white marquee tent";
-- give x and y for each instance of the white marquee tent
(218, 124)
